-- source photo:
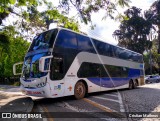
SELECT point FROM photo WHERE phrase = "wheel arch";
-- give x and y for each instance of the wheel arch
(85, 83)
(131, 83)
(136, 80)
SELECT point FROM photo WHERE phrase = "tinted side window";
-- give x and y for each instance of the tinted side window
(84, 43)
(122, 53)
(57, 67)
(103, 71)
(99, 46)
(117, 52)
(137, 58)
(88, 70)
(103, 48)
(140, 58)
(108, 50)
(67, 39)
(91, 70)
(116, 71)
(127, 55)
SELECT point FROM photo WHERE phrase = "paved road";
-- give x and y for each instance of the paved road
(144, 99)
(104, 106)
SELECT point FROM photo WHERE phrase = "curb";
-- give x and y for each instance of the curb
(16, 103)
(30, 107)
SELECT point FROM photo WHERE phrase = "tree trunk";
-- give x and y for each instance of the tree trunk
(159, 47)
(1, 52)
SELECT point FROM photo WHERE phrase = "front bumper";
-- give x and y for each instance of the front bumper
(38, 92)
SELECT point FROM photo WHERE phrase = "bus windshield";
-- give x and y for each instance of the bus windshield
(31, 67)
(44, 40)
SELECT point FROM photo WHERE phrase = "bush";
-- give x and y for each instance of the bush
(16, 84)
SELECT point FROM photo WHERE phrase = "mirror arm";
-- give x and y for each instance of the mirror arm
(14, 68)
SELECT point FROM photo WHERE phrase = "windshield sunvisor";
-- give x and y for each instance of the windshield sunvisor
(37, 57)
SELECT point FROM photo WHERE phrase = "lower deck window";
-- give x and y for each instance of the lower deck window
(99, 70)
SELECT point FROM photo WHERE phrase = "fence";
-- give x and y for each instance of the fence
(10, 81)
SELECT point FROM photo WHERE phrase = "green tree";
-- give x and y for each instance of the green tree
(152, 58)
(9, 6)
(16, 49)
(133, 31)
(83, 7)
(153, 14)
(86, 7)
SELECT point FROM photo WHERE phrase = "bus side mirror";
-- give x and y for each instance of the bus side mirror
(43, 65)
(19, 68)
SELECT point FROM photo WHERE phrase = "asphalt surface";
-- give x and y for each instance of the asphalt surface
(145, 99)
(13, 101)
(102, 106)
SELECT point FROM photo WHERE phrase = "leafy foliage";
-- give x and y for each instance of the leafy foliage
(40, 21)
(153, 14)
(8, 6)
(13, 44)
(86, 7)
(133, 31)
(10, 45)
(83, 7)
(152, 59)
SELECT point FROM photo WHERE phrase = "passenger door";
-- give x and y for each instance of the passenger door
(57, 75)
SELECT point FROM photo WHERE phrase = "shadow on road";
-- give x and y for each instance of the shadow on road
(138, 103)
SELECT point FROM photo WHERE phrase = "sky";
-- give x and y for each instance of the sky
(105, 28)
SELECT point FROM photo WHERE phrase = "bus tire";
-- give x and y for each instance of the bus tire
(147, 81)
(157, 81)
(135, 84)
(131, 84)
(79, 90)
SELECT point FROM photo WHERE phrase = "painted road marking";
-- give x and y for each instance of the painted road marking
(41, 110)
(106, 99)
(70, 107)
(76, 109)
(114, 95)
(119, 100)
(48, 114)
(102, 107)
(121, 103)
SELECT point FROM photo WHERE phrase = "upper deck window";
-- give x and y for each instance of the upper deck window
(127, 55)
(44, 40)
(103, 48)
(66, 39)
(84, 43)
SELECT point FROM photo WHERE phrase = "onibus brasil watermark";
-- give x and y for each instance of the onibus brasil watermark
(21, 115)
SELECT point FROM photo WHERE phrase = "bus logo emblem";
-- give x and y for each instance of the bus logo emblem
(70, 88)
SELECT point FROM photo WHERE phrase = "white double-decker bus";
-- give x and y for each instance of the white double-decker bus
(61, 62)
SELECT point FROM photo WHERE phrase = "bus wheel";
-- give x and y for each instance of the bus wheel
(131, 84)
(135, 84)
(157, 81)
(79, 90)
